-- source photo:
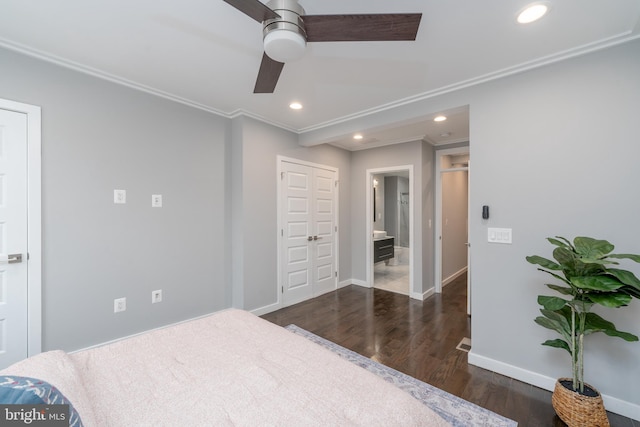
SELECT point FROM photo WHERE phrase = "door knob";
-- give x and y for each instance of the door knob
(317, 238)
(10, 259)
(310, 238)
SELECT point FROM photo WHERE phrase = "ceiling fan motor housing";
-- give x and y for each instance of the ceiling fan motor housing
(285, 38)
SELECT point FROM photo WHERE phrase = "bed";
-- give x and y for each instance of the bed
(227, 369)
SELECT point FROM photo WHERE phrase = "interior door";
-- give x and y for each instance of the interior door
(324, 259)
(297, 228)
(13, 237)
(308, 247)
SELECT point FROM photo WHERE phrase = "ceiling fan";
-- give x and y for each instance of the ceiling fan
(286, 30)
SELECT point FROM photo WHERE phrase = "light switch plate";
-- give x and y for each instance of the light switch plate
(120, 196)
(156, 200)
(499, 235)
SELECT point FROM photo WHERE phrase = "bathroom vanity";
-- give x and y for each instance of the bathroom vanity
(383, 248)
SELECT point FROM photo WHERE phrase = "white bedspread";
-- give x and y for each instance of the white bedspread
(233, 368)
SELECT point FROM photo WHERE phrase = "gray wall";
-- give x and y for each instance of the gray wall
(97, 137)
(260, 146)
(568, 134)
(554, 152)
(411, 153)
(391, 206)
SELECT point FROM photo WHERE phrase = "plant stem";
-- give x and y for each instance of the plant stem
(580, 363)
(574, 349)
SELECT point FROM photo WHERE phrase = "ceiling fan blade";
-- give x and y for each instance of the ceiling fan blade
(253, 9)
(268, 75)
(368, 27)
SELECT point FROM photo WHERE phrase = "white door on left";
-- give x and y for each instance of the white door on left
(13, 237)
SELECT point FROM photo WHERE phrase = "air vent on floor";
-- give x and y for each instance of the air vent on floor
(465, 345)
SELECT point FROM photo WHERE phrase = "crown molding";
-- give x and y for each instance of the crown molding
(621, 38)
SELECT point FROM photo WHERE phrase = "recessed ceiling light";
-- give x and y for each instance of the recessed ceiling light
(357, 136)
(440, 119)
(533, 12)
(295, 106)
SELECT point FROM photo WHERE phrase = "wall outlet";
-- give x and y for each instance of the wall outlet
(120, 196)
(156, 201)
(156, 296)
(119, 304)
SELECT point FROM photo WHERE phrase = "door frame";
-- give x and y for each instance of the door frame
(34, 222)
(438, 216)
(280, 226)
(369, 225)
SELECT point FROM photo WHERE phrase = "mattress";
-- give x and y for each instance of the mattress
(227, 369)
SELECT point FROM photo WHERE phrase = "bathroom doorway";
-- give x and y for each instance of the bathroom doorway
(390, 222)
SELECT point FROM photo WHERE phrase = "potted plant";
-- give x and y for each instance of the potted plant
(585, 269)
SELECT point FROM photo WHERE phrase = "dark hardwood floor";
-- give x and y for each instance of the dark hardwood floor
(420, 339)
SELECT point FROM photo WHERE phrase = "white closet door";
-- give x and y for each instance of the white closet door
(308, 254)
(324, 258)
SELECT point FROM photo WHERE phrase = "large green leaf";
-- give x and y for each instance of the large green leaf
(624, 335)
(554, 325)
(632, 257)
(543, 262)
(597, 283)
(565, 257)
(562, 242)
(557, 276)
(610, 299)
(592, 248)
(558, 343)
(599, 262)
(631, 291)
(561, 323)
(551, 303)
(595, 323)
(626, 277)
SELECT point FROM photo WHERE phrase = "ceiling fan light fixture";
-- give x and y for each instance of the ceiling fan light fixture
(284, 45)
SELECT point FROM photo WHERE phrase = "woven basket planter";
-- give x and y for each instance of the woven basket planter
(577, 410)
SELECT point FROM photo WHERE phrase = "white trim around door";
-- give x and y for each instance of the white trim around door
(438, 217)
(318, 236)
(413, 293)
(34, 224)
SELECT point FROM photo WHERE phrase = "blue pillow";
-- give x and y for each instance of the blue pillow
(32, 391)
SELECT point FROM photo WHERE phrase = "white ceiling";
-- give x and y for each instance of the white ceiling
(206, 53)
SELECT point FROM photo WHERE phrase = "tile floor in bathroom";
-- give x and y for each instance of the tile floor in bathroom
(393, 276)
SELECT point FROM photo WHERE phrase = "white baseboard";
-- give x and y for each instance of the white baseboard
(454, 276)
(344, 284)
(277, 306)
(147, 331)
(613, 404)
(359, 283)
(266, 309)
(424, 295)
